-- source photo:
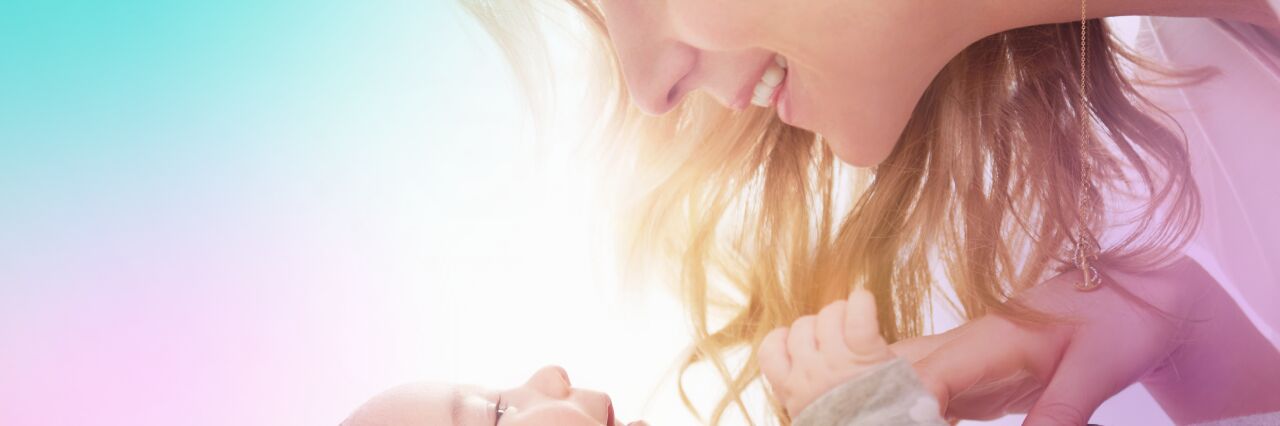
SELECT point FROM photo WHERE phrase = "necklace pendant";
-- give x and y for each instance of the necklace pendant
(1082, 253)
(1090, 279)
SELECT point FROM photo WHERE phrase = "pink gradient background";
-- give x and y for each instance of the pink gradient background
(264, 214)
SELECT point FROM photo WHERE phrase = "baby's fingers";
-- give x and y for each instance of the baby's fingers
(830, 329)
(775, 363)
(802, 343)
(861, 329)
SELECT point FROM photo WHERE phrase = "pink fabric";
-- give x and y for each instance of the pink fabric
(1233, 125)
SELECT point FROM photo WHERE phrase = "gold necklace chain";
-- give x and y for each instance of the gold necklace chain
(1086, 246)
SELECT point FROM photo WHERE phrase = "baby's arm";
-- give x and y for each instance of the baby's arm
(835, 369)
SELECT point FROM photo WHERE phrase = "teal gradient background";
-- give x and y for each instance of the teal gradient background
(251, 212)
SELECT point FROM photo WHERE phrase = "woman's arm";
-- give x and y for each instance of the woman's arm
(1195, 351)
(1001, 15)
(1222, 367)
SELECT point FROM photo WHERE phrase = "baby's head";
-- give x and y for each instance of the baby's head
(545, 399)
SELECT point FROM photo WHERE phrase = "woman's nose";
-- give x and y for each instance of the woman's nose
(654, 63)
(657, 75)
(551, 381)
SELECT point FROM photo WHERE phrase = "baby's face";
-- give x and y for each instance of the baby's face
(545, 399)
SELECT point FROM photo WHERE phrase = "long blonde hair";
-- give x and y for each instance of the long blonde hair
(759, 225)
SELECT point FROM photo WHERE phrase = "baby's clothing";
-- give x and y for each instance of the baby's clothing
(890, 394)
(1265, 419)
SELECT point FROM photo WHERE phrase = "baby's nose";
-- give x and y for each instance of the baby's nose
(552, 381)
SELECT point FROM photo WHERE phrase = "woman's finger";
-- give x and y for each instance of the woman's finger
(1083, 381)
(988, 349)
(1098, 363)
(917, 348)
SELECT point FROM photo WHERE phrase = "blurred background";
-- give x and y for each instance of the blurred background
(266, 212)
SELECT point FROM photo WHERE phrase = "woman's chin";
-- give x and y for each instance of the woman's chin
(850, 151)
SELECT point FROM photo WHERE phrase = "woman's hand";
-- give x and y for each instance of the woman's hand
(1174, 330)
(1058, 374)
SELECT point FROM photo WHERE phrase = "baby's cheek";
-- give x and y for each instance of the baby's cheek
(550, 415)
(721, 25)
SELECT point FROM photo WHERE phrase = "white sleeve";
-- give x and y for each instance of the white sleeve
(889, 394)
(1232, 123)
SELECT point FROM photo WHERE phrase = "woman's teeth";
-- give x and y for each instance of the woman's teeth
(768, 85)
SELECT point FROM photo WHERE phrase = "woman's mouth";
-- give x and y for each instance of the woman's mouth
(772, 89)
(766, 90)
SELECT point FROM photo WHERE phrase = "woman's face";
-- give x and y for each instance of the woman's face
(852, 73)
(545, 399)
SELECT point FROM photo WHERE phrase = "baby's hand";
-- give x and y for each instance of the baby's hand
(818, 353)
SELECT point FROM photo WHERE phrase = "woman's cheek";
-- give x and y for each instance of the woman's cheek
(720, 25)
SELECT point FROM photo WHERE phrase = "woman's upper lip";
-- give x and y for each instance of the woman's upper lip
(748, 89)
